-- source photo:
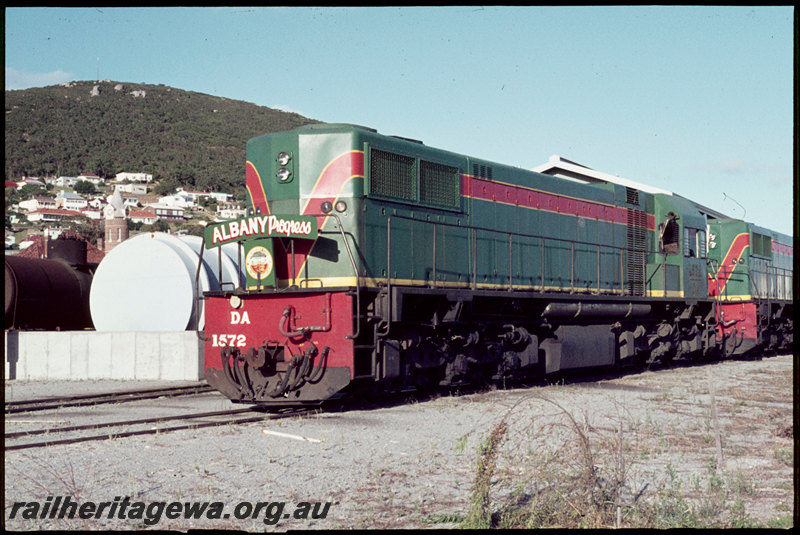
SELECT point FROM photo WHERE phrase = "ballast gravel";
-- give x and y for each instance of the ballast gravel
(412, 464)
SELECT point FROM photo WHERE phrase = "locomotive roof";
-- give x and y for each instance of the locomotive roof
(563, 168)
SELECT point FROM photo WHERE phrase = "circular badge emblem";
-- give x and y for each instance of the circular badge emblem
(259, 262)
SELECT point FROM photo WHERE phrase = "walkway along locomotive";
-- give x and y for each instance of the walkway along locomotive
(379, 262)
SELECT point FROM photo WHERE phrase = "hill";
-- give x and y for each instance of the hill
(181, 137)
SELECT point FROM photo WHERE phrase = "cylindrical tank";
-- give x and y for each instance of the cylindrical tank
(147, 283)
(46, 294)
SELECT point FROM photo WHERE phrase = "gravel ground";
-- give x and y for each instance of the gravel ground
(412, 465)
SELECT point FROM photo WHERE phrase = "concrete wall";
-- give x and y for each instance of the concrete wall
(165, 356)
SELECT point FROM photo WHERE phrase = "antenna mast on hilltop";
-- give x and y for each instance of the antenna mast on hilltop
(98, 69)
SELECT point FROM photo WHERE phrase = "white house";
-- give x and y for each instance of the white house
(135, 189)
(197, 195)
(65, 181)
(134, 177)
(229, 211)
(221, 197)
(143, 216)
(130, 201)
(30, 182)
(69, 200)
(97, 202)
(48, 215)
(94, 179)
(93, 214)
(35, 203)
(179, 200)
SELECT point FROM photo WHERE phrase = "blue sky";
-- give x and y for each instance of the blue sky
(697, 100)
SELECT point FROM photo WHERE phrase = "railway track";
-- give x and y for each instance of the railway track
(70, 434)
(53, 417)
(50, 403)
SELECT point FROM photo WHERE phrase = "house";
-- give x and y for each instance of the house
(167, 213)
(35, 203)
(135, 189)
(51, 215)
(220, 197)
(94, 179)
(134, 177)
(69, 200)
(179, 200)
(197, 195)
(65, 181)
(229, 211)
(147, 217)
(29, 182)
(130, 201)
(97, 203)
(93, 214)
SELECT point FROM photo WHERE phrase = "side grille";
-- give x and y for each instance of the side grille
(392, 175)
(481, 171)
(438, 184)
(636, 247)
(632, 196)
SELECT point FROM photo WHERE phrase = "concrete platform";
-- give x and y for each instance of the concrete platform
(80, 355)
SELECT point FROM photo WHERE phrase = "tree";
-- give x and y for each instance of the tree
(30, 190)
(85, 187)
(102, 166)
(166, 187)
(90, 232)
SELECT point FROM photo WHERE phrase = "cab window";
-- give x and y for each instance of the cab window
(694, 242)
(670, 234)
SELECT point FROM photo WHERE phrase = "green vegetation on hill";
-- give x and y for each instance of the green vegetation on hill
(181, 137)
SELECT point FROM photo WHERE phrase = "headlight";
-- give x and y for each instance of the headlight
(283, 158)
(326, 207)
(283, 174)
(341, 206)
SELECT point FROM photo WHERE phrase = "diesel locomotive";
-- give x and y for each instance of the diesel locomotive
(378, 263)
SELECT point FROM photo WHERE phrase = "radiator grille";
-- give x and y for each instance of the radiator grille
(483, 171)
(632, 196)
(439, 184)
(392, 175)
(637, 244)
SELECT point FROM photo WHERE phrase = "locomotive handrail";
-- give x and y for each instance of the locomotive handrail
(473, 230)
(357, 329)
(198, 294)
(772, 274)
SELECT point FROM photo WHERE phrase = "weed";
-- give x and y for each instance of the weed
(479, 516)
(586, 479)
(784, 455)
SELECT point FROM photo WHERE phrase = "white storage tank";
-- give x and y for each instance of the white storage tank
(147, 283)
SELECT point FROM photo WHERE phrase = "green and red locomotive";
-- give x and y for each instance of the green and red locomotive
(378, 262)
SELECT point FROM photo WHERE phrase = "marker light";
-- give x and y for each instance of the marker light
(283, 158)
(283, 174)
